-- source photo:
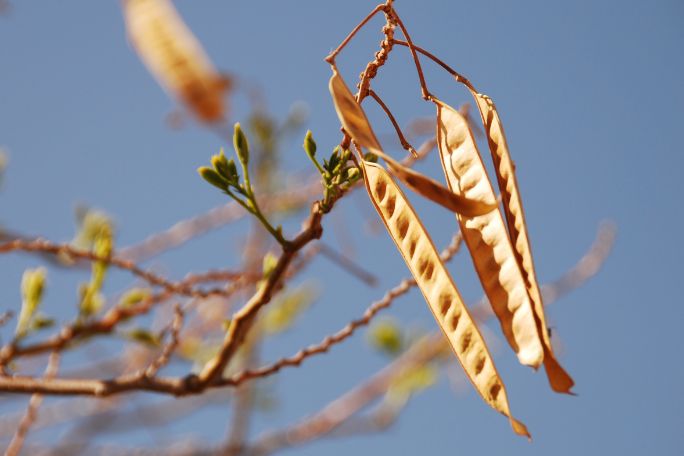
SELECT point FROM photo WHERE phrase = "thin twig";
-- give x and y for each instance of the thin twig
(423, 87)
(170, 347)
(402, 139)
(190, 385)
(345, 406)
(459, 77)
(110, 320)
(347, 264)
(185, 230)
(330, 58)
(348, 330)
(14, 447)
(41, 245)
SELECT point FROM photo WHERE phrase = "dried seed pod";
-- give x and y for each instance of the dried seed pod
(486, 237)
(559, 379)
(175, 57)
(356, 123)
(438, 288)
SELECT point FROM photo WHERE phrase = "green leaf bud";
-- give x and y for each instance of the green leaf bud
(241, 145)
(212, 177)
(310, 144)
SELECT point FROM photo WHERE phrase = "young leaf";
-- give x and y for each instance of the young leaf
(241, 145)
(211, 176)
(310, 145)
(32, 287)
(134, 296)
(438, 288)
(224, 167)
(387, 337)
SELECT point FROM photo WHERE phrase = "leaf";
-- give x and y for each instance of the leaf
(411, 381)
(174, 56)
(356, 123)
(134, 297)
(32, 288)
(282, 313)
(438, 288)
(90, 223)
(213, 177)
(387, 337)
(559, 379)
(143, 336)
(486, 237)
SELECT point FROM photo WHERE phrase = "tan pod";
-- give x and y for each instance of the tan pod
(486, 237)
(175, 57)
(559, 379)
(438, 288)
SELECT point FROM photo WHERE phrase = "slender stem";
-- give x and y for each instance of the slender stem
(402, 139)
(458, 76)
(425, 93)
(317, 165)
(348, 265)
(254, 209)
(331, 57)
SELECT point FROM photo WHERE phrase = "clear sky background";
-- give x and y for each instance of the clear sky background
(590, 92)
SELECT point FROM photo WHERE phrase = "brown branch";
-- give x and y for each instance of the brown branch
(243, 320)
(110, 320)
(170, 347)
(345, 406)
(347, 264)
(41, 245)
(14, 447)
(587, 267)
(348, 330)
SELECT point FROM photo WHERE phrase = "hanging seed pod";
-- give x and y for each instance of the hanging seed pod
(175, 57)
(559, 379)
(486, 237)
(438, 288)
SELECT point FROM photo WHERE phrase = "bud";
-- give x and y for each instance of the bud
(144, 337)
(386, 336)
(231, 170)
(220, 163)
(370, 157)
(241, 145)
(134, 296)
(212, 177)
(32, 287)
(310, 145)
(353, 174)
(270, 262)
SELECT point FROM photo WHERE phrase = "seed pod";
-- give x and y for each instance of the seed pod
(486, 237)
(175, 57)
(438, 288)
(559, 379)
(356, 123)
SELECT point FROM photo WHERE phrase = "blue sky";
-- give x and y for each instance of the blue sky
(590, 94)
